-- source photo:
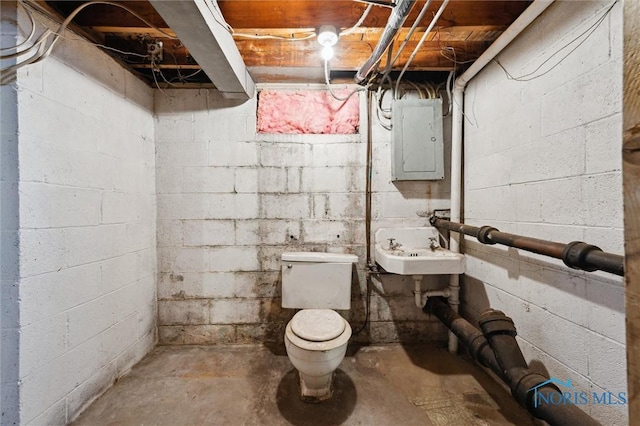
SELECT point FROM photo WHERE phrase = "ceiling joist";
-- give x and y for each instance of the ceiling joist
(259, 34)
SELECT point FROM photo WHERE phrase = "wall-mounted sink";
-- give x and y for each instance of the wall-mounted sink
(415, 251)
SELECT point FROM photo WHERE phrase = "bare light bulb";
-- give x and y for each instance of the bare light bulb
(327, 37)
(327, 53)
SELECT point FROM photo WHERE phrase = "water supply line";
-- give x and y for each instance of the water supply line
(396, 19)
(534, 10)
(369, 267)
(419, 45)
(388, 66)
(496, 348)
(576, 254)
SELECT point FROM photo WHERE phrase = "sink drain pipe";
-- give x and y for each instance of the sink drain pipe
(421, 297)
(497, 349)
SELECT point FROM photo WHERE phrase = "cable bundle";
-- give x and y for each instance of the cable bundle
(39, 49)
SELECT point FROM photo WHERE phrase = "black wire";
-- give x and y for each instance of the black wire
(367, 305)
(175, 60)
(589, 30)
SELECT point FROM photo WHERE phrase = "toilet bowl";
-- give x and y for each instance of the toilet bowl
(316, 343)
(316, 337)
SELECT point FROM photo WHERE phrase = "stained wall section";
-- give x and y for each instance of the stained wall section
(231, 201)
(87, 263)
(542, 158)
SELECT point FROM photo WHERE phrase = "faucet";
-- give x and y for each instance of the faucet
(392, 244)
(433, 243)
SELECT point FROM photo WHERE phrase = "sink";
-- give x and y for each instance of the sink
(407, 251)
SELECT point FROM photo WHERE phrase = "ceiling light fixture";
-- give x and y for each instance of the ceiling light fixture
(327, 37)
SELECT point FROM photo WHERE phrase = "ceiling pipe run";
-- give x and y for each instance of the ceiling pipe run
(396, 19)
(388, 66)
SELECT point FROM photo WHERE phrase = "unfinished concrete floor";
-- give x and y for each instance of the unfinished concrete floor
(252, 385)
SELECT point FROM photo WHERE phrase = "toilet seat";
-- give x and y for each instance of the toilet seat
(311, 345)
(317, 325)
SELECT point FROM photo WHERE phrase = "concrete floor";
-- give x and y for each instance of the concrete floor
(252, 385)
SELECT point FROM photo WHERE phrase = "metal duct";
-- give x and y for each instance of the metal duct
(396, 19)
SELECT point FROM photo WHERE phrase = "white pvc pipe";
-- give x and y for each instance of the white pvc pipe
(523, 21)
(456, 198)
(422, 296)
(406, 39)
(422, 39)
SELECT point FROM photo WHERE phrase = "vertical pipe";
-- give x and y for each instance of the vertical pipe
(456, 198)
(528, 16)
(368, 171)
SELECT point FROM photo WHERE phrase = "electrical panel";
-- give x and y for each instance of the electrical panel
(417, 143)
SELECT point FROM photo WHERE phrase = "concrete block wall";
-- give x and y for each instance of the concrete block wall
(542, 158)
(85, 172)
(9, 264)
(231, 201)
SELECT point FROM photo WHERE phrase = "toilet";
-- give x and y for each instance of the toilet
(316, 337)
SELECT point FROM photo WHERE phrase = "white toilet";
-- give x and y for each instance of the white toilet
(316, 337)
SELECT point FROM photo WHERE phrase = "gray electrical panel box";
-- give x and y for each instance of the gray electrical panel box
(417, 144)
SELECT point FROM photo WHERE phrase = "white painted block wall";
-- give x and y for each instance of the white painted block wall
(9, 268)
(543, 159)
(231, 201)
(87, 262)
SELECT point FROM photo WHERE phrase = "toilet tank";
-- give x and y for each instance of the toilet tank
(312, 280)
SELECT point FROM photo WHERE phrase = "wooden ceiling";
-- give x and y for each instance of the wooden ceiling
(463, 32)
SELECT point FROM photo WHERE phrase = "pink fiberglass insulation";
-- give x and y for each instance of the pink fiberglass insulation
(307, 111)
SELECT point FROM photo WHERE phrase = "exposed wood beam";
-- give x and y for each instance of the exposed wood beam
(350, 55)
(306, 54)
(210, 44)
(631, 186)
(102, 14)
(307, 14)
(467, 26)
(151, 32)
(166, 66)
(343, 14)
(464, 33)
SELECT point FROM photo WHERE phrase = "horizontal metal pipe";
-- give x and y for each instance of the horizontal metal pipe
(609, 262)
(577, 255)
